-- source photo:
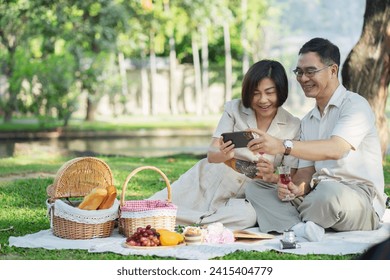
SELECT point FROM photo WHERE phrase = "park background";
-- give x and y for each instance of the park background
(85, 63)
(149, 74)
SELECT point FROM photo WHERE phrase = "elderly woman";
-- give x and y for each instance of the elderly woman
(213, 189)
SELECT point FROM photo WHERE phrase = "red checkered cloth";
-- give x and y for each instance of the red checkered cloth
(147, 205)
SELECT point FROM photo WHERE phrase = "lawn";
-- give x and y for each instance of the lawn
(22, 203)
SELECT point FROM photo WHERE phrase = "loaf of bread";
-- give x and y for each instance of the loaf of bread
(93, 200)
(109, 199)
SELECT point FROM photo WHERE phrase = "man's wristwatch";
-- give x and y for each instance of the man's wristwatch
(288, 145)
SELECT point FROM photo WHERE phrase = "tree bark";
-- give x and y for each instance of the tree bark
(228, 63)
(244, 37)
(172, 93)
(198, 81)
(367, 67)
(10, 105)
(172, 73)
(153, 75)
(144, 87)
(91, 109)
(205, 69)
(123, 74)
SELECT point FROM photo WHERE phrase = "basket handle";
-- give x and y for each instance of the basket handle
(135, 171)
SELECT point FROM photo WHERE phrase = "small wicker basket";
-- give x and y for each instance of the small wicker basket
(76, 178)
(140, 213)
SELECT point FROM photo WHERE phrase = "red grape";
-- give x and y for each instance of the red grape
(147, 237)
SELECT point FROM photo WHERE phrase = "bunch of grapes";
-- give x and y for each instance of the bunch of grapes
(147, 237)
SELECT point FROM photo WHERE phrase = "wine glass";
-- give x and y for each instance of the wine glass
(285, 178)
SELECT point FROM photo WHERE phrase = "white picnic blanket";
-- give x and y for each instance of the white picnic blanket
(334, 243)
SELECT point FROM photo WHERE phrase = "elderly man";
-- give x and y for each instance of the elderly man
(339, 181)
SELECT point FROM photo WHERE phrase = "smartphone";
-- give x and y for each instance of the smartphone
(240, 139)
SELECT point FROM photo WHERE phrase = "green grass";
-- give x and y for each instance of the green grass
(22, 204)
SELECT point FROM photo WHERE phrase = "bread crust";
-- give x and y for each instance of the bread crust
(93, 199)
(109, 199)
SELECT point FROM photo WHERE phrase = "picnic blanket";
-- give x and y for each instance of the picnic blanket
(334, 243)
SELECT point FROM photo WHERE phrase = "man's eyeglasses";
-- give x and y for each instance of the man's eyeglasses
(308, 73)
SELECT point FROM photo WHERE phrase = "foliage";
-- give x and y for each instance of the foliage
(91, 32)
(95, 32)
(55, 75)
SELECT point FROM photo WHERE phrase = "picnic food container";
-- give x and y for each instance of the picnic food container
(193, 235)
(140, 213)
(75, 179)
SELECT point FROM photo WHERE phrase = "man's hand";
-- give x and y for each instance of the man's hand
(290, 190)
(284, 193)
(265, 143)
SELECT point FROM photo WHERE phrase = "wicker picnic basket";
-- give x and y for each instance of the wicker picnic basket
(75, 179)
(140, 213)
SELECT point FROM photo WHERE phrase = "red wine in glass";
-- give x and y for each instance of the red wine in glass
(284, 174)
(285, 178)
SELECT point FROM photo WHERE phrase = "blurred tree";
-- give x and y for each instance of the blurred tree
(223, 18)
(367, 67)
(14, 28)
(33, 32)
(55, 75)
(91, 29)
(150, 19)
(170, 30)
(197, 14)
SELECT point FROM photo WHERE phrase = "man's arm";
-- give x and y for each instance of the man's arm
(327, 149)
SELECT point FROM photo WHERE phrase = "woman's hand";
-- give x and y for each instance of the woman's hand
(266, 171)
(219, 151)
(226, 148)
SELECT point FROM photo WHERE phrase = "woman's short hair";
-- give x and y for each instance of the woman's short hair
(264, 69)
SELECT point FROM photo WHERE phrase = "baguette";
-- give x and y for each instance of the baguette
(93, 199)
(109, 199)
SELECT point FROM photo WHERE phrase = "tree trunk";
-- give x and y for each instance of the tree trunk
(173, 107)
(205, 69)
(123, 74)
(144, 86)
(367, 67)
(244, 37)
(10, 104)
(91, 109)
(198, 82)
(153, 74)
(228, 62)
(172, 73)
(7, 116)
